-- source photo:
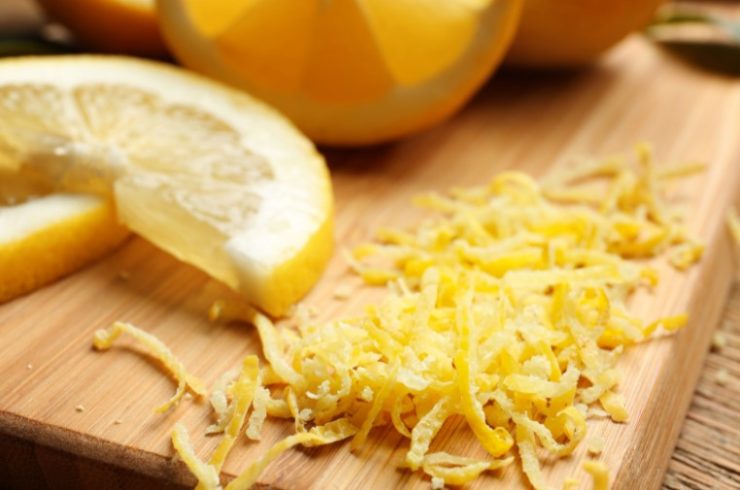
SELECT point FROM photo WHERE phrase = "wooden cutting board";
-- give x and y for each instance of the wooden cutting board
(531, 122)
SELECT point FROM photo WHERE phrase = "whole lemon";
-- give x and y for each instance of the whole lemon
(555, 33)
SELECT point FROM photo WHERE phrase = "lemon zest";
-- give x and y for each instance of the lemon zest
(219, 399)
(507, 307)
(104, 339)
(458, 470)
(595, 445)
(205, 473)
(243, 394)
(570, 484)
(259, 413)
(599, 473)
(425, 430)
(733, 222)
(496, 441)
(329, 433)
(272, 347)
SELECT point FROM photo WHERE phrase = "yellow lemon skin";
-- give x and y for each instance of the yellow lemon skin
(347, 72)
(80, 229)
(111, 26)
(564, 33)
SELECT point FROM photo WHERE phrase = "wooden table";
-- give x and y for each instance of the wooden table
(707, 454)
(708, 451)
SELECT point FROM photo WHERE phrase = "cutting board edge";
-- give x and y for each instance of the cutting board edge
(651, 455)
(77, 444)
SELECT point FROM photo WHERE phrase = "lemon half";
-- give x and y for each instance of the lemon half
(205, 172)
(346, 71)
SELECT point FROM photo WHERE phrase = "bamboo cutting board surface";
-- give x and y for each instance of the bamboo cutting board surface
(532, 123)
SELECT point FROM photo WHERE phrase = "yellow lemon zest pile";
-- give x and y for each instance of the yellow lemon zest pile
(508, 309)
(104, 339)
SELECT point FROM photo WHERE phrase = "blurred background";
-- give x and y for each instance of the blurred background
(27, 19)
(549, 36)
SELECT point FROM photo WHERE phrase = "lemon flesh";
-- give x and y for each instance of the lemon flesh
(44, 239)
(346, 71)
(207, 173)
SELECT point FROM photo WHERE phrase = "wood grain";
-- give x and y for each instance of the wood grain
(708, 451)
(518, 121)
(705, 457)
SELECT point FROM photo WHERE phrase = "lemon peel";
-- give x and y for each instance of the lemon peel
(425, 430)
(243, 391)
(105, 338)
(509, 307)
(595, 445)
(219, 400)
(457, 470)
(259, 413)
(599, 473)
(329, 433)
(733, 223)
(243, 394)
(43, 238)
(206, 474)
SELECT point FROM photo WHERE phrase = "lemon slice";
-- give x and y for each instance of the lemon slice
(346, 71)
(207, 173)
(46, 238)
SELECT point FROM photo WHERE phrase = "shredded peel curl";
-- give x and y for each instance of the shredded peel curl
(105, 338)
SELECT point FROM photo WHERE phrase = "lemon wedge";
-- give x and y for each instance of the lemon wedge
(346, 71)
(46, 238)
(205, 172)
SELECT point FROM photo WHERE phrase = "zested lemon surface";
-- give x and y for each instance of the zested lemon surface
(205, 172)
